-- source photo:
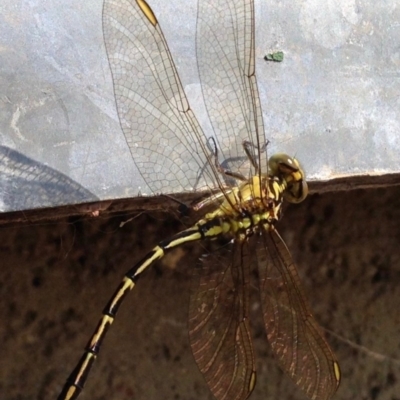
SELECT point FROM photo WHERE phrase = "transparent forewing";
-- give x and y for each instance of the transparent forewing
(218, 324)
(292, 331)
(226, 61)
(164, 137)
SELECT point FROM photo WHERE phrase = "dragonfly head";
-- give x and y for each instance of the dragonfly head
(289, 169)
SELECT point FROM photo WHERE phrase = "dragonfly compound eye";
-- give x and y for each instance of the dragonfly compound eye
(289, 169)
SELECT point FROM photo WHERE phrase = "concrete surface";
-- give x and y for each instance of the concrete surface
(333, 101)
(56, 278)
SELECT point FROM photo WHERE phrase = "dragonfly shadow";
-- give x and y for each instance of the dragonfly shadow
(28, 184)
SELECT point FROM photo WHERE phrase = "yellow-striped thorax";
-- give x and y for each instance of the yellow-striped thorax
(258, 201)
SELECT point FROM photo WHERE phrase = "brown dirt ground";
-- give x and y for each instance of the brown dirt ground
(55, 279)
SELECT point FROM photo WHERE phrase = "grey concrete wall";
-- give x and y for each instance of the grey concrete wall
(333, 101)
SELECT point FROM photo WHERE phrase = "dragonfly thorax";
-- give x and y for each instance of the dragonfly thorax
(246, 209)
(264, 192)
(256, 204)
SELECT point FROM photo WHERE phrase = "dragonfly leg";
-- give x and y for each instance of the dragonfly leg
(220, 168)
(247, 146)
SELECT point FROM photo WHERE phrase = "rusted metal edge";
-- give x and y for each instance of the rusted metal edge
(171, 202)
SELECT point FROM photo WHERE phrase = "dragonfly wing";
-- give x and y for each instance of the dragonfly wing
(164, 136)
(292, 331)
(218, 323)
(226, 60)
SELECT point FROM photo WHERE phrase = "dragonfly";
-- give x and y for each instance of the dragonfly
(244, 200)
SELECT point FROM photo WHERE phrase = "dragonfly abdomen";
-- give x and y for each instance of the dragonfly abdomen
(204, 229)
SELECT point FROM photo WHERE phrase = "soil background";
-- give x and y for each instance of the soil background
(56, 277)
